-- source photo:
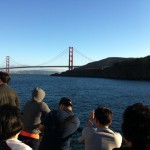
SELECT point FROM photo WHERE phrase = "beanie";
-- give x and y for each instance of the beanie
(38, 94)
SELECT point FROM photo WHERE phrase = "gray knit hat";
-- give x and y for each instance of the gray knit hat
(38, 94)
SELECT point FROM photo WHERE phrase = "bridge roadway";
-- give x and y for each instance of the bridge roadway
(40, 67)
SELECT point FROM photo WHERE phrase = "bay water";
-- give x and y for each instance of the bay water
(86, 93)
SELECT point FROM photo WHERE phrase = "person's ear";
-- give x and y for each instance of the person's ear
(110, 123)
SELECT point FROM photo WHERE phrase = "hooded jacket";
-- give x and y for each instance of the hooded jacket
(34, 110)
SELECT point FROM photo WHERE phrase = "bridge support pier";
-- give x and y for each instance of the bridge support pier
(70, 58)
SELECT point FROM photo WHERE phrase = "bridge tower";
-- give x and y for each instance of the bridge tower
(7, 64)
(70, 58)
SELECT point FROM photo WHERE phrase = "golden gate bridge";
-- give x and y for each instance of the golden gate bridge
(70, 65)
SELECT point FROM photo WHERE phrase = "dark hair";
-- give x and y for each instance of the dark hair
(10, 121)
(136, 126)
(4, 76)
(65, 101)
(103, 115)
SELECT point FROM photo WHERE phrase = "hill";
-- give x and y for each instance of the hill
(103, 63)
(114, 67)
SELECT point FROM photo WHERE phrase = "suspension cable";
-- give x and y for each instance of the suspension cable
(83, 55)
(16, 62)
(53, 59)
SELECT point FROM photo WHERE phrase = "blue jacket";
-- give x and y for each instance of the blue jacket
(60, 126)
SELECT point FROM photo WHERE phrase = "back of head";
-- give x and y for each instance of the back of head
(103, 115)
(136, 126)
(38, 94)
(65, 101)
(4, 77)
(10, 121)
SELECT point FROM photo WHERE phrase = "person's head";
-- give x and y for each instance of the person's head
(38, 94)
(4, 77)
(65, 102)
(136, 126)
(10, 121)
(103, 116)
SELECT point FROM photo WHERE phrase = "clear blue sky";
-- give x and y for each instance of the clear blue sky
(35, 31)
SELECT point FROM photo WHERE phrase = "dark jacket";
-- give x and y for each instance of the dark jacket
(60, 126)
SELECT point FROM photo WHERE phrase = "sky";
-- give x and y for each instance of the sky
(34, 32)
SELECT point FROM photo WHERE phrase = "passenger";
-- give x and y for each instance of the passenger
(136, 127)
(101, 137)
(59, 127)
(34, 110)
(7, 94)
(10, 127)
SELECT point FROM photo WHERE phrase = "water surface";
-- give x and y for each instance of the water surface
(86, 94)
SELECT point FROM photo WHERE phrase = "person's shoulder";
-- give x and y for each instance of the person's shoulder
(43, 104)
(10, 89)
(18, 145)
(44, 107)
(23, 146)
(117, 134)
(76, 119)
(117, 137)
(73, 118)
(4, 86)
(122, 148)
(53, 113)
(71, 115)
(88, 129)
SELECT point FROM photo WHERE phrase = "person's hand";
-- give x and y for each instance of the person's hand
(91, 119)
(92, 116)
